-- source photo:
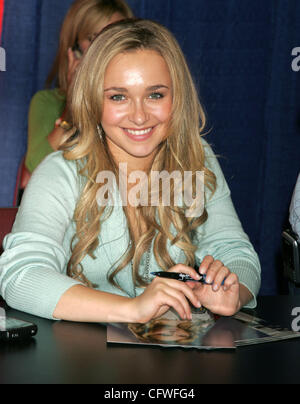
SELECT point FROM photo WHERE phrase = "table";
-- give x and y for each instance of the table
(65, 353)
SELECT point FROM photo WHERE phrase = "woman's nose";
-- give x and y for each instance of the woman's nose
(138, 114)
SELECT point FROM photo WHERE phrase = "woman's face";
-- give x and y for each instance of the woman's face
(85, 43)
(137, 105)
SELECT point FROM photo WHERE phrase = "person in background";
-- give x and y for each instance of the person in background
(295, 209)
(82, 250)
(48, 112)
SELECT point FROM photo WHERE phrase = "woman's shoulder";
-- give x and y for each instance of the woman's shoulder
(56, 169)
(56, 163)
(211, 160)
(212, 163)
(53, 96)
(55, 181)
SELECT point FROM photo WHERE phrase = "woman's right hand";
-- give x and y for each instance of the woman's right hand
(163, 294)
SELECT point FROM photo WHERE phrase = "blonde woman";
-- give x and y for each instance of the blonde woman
(135, 111)
(48, 114)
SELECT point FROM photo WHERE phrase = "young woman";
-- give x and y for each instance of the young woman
(48, 113)
(72, 257)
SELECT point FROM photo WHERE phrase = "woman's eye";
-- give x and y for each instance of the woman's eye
(117, 97)
(156, 96)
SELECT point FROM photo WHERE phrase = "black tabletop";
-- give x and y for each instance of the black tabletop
(64, 352)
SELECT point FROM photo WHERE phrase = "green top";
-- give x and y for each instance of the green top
(45, 108)
(36, 253)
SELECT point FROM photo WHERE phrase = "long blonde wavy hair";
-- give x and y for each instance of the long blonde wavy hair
(182, 151)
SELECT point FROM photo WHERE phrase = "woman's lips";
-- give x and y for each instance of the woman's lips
(139, 135)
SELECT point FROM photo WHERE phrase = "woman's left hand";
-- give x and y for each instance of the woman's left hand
(219, 299)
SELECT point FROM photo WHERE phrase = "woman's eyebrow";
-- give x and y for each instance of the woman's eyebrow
(119, 89)
(157, 87)
(124, 90)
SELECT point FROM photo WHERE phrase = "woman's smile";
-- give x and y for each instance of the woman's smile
(139, 135)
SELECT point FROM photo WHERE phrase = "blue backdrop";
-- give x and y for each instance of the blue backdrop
(240, 56)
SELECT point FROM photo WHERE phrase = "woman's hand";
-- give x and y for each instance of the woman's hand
(162, 294)
(219, 299)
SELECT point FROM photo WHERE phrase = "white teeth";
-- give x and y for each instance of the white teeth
(139, 132)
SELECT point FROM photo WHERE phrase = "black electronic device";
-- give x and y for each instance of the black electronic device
(12, 329)
(291, 256)
(77, 51)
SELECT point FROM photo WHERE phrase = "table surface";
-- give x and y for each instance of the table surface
(65, 353)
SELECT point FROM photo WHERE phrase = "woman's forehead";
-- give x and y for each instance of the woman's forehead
(136, 68)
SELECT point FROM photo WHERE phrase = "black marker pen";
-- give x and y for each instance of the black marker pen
(181, 277)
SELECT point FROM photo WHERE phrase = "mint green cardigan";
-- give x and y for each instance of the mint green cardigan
(36, 253)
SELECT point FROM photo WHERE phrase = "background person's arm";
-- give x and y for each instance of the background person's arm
(45, 108)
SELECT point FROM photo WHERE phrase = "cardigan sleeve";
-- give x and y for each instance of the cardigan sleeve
(222, 235)
(33, 266)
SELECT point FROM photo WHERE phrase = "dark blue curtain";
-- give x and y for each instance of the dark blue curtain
(239, 53)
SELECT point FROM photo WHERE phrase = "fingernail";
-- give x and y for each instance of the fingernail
(208, 279)
(215, 287)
